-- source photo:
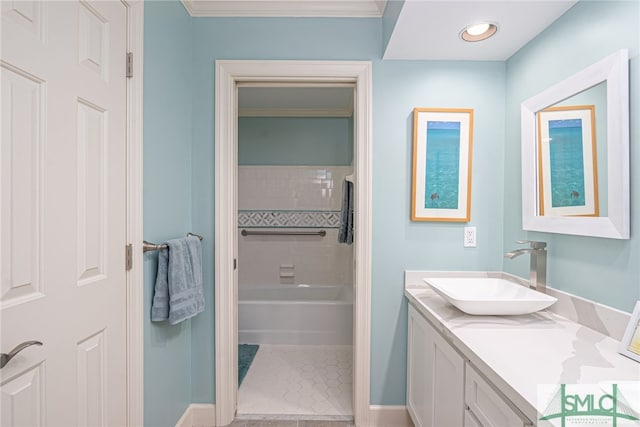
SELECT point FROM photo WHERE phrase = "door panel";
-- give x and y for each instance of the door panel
(93, 46)
(25, 14)
(91, 380)
(22, 103)
(63, 212)
(23, 397)
(91, 185)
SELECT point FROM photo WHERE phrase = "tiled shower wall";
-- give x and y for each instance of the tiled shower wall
(291, 198)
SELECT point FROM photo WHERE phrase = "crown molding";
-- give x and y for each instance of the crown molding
(286, 8)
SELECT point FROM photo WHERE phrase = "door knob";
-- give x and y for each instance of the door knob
(5, 357)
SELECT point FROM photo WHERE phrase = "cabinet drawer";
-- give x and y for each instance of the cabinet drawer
(490, 409)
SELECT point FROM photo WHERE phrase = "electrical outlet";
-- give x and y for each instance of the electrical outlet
(469, 237)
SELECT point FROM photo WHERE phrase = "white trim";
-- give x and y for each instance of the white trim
(362, 246)
(387, 415)
(286, 8)
(198, 415)
(225, 246)
(186, 420)
(203, 414)
(135, 299)
(228, 74)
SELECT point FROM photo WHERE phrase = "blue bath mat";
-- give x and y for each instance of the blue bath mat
(246, 353)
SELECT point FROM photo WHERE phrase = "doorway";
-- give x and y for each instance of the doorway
(229, 74)
(295, 275)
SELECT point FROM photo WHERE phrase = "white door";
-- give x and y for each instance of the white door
(63, 212)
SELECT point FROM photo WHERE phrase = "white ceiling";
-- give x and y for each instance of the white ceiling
(425, 30)
(429, 30)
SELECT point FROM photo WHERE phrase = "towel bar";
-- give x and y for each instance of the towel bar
(146, 246)
(283, 233)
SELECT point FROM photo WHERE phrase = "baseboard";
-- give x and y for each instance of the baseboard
(198, 415)
(186, 418)
(389, 416)
(204, 415)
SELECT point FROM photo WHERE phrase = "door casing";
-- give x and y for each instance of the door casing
(135, 299)
(227, 75)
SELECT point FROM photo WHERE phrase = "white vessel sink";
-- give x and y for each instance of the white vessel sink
(489, 295)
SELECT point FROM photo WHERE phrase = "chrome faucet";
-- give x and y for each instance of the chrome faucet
(538, 268)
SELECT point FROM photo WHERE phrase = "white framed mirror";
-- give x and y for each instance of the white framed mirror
(595, 202)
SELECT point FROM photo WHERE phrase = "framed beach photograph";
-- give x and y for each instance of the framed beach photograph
(630, 345)
(567, 161)
(442, 151)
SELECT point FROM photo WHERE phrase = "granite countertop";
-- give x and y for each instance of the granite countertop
(518, 353)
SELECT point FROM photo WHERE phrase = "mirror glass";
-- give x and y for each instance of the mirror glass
(575, 153)
(572, 155)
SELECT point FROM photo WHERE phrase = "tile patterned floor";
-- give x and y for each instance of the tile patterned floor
(298, 380)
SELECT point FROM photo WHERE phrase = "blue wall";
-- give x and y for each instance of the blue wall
(304, 141)
(167, 199)
(180, 54)
(604, 270)
(398, 243)
(249, 38)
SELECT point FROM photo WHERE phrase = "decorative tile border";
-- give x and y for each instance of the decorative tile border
(289, 219)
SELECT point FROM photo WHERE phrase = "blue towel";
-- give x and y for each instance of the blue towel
(178, 291)
(345, 232)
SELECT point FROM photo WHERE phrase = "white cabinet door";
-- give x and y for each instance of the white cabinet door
(435, 376)
(418, 393)
(488, 407)
(63, 170)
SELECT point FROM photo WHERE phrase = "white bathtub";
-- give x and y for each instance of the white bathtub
(290, 314)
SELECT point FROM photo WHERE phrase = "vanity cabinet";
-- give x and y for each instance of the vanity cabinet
(485, 406)
(435, 380)
(444, 390)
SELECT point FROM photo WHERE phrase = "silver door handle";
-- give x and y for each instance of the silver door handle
(5, 357)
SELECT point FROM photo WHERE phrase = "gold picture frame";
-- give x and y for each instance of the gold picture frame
(567, 161)
(442, 160)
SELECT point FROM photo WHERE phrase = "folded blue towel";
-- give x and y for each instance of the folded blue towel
(345, 232)
(178, 292)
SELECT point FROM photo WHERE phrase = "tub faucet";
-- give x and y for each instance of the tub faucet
(538, 268)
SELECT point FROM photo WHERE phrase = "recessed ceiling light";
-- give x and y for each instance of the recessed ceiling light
(478, 32)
